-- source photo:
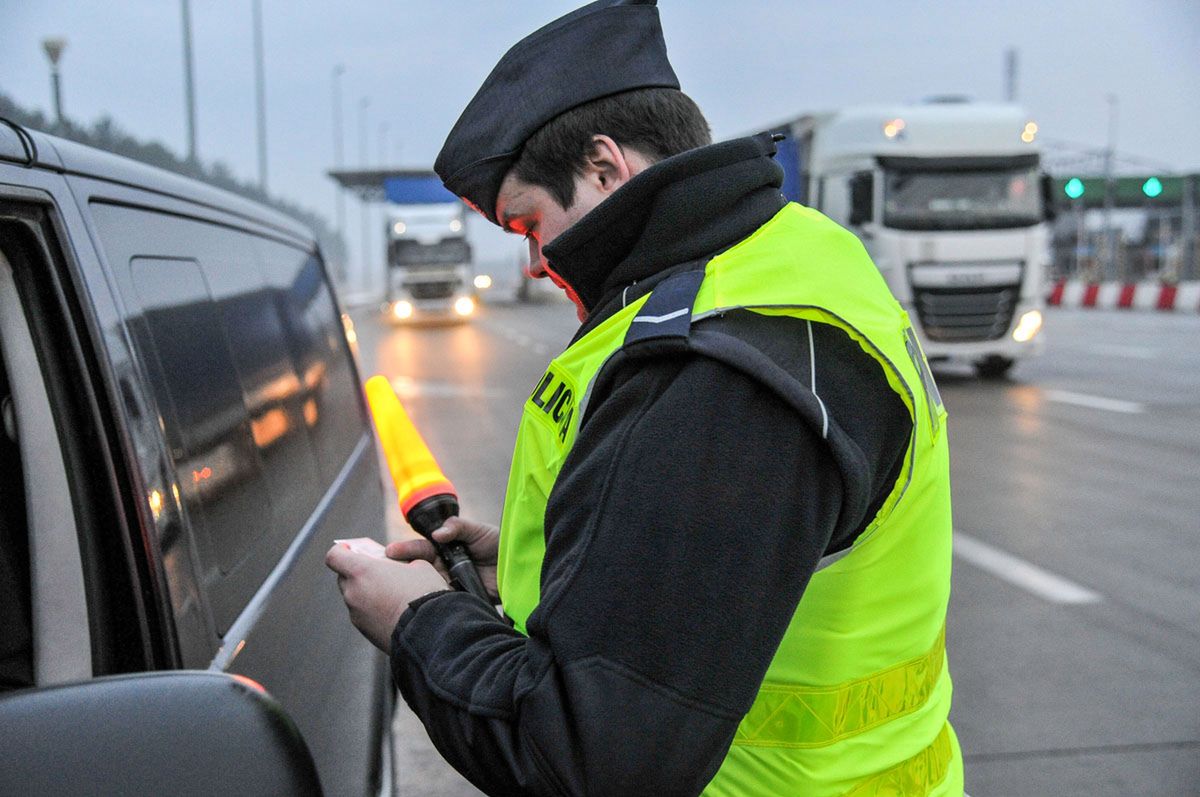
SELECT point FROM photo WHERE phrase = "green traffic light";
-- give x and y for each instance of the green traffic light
(1074, 188)
(1152, 187)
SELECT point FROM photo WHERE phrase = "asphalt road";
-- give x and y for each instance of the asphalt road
(1074, 629)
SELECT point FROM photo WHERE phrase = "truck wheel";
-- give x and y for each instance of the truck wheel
(994, 367)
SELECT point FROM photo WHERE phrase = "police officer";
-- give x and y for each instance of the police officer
(724, 558)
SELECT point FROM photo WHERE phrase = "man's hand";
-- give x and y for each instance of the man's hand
(482, 541)
(377, 591)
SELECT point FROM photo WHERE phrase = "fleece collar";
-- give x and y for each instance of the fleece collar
(683, 208)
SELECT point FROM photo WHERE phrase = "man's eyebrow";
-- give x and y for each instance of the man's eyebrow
(506, 221)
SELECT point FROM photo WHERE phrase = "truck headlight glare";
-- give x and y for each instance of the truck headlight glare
(1028, 327)
(483, 282)
(402, 309)
(464, 306)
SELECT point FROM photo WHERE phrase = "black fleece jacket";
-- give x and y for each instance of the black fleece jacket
(680, 534)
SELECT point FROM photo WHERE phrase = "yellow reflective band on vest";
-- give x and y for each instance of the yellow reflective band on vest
(857, 696)
(916, 775)
(800, 716)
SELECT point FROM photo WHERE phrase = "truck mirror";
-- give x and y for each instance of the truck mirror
(1049, 197)
(862, 198)
(181, 733)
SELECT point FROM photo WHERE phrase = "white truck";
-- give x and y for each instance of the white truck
(429, 269)
(949, 199)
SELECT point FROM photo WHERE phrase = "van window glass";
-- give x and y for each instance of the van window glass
(332, 400)
(206, 427)
(252, 316)
(214, 335)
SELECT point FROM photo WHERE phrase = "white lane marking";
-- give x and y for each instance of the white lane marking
(1095, 402)
(1120, 350)
(1018, 572)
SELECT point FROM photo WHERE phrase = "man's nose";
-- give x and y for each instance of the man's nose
(537, 267)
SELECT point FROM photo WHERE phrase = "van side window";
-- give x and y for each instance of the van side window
(216, 340)
(332, 403)
(204, 420)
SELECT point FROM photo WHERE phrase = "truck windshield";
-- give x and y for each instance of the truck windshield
(447, 252)
(962, 200)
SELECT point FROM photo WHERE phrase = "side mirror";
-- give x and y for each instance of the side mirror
(862, 198)
(1049, 197)
(179, 733)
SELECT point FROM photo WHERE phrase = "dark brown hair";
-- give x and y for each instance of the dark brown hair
(657, 122)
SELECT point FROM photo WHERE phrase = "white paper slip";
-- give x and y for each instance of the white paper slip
(364, 545)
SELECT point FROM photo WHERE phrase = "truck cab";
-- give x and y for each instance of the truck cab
(949, 199)
(429, 271)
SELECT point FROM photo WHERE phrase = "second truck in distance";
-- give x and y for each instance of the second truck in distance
(949, 199)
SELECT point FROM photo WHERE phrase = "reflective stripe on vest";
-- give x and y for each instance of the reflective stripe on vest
(803, 716)
(916, 775)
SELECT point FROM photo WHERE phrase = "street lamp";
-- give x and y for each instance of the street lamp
(54, 47)
(189, 84)
(339, 160)
(364, 103)
(260, 94)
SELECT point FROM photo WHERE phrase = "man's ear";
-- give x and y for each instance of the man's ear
(608, 166)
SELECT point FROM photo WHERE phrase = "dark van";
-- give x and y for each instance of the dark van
(184, 435)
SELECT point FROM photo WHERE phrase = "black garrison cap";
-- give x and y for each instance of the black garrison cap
(603, 48)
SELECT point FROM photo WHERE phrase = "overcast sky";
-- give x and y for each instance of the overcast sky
(747, 63)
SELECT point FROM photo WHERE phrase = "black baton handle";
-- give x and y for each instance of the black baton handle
(427, 517)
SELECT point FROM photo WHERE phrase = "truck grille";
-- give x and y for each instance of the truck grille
(959, 315)
(431, 290)
(408, 252)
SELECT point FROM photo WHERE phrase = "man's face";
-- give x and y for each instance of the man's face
(531, 211)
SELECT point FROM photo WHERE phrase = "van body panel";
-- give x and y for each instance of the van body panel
(241, 431)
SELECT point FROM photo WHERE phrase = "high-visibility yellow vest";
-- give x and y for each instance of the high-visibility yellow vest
(856, 700)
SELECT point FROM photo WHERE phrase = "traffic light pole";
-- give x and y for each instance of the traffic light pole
(1191, 251)
(1110, 253)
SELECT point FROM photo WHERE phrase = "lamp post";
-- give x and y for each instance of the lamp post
(339, 161)
(189, 84)
(260, 93)
(54, 47)
(383, 139)
(363, 104)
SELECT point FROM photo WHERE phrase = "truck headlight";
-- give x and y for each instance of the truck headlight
(483, 282)
(1028, 327)
(402, 309)
(464, 305)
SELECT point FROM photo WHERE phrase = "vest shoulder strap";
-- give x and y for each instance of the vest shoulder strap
(665, 326)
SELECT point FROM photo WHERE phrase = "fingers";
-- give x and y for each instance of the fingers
(411, 550)
(465, 531)
(340, 559)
